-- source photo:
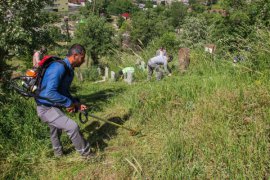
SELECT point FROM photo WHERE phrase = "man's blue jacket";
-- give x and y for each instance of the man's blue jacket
(56, 84)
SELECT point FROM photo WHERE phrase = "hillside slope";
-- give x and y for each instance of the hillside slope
(210, 122)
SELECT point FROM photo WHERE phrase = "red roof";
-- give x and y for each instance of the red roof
(126, 15)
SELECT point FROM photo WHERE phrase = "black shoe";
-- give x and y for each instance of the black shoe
(58, 154)
(89, 156)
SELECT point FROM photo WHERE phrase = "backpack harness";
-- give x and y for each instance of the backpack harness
(30, 84)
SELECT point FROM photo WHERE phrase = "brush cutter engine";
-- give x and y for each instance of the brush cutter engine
(25, 85)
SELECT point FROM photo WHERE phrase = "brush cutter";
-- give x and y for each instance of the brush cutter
(20, 85)
(85, 114)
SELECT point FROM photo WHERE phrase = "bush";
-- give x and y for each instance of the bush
(90, 74)
(22, 137)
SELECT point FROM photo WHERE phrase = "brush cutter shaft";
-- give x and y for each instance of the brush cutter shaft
(101, 119)
(110, 122)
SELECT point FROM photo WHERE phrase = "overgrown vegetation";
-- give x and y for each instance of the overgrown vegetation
(210, 122)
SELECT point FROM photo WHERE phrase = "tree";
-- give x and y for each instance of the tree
(177, 13)
(235, 5)
(96, 35)
(169, 41)
(96, 7)
(146, 25)
(259, 11)
(194, 32)
(21, 27)
(117, 7)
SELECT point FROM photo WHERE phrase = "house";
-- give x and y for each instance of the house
(125, 16)
(165, 2)
(222, 12)
(65, 5)
(79, 2)
(58, 6)
(141, 6)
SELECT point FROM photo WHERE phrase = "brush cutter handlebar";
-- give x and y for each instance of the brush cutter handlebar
(83, 116)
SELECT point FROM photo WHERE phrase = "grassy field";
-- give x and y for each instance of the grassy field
(210, 123)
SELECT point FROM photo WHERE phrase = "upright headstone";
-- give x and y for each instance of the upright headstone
(99, 71)
(126, 40)
(112, 76)
(129, 77)
(211, 48)
(79, 75)
(184, 59)
(106, 73)
(142, 65)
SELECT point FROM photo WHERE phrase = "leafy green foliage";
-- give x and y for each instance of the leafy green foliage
(22, 26)
(177, 13)
(55, 34)
(169, 41)
(117, 7)
(146, 25)
(120, 21)
(195, 32)
(96, 7)
(96, 35)
(90, 74)
(22, 137)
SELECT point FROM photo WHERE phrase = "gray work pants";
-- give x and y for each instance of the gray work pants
(153, 68)
(57, 122)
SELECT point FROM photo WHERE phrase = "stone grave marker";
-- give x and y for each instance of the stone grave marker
(211, 48)
(99, 71)
(113, 76)
(129, 79)
(184, 59)
(106, 73)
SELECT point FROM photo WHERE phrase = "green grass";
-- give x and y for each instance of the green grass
(211, 122)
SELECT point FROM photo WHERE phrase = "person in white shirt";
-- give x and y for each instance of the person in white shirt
(155, 63)
(161, 51)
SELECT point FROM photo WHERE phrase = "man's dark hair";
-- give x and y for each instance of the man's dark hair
(120, 73)
(76, 49)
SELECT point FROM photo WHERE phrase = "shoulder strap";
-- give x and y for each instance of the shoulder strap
(43, 70)
(67, 71)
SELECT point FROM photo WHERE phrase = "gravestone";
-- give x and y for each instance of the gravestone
(113, 76)
(211, 48)
(79, 75)
(126, 40)
(99, 71)
(142, 65)
(184, 59)
(129, 78)
(106, 73)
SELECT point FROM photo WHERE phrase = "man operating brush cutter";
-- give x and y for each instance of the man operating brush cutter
(49, 84)
(54, 90)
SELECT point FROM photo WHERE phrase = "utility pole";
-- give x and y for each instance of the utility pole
(67, 27)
